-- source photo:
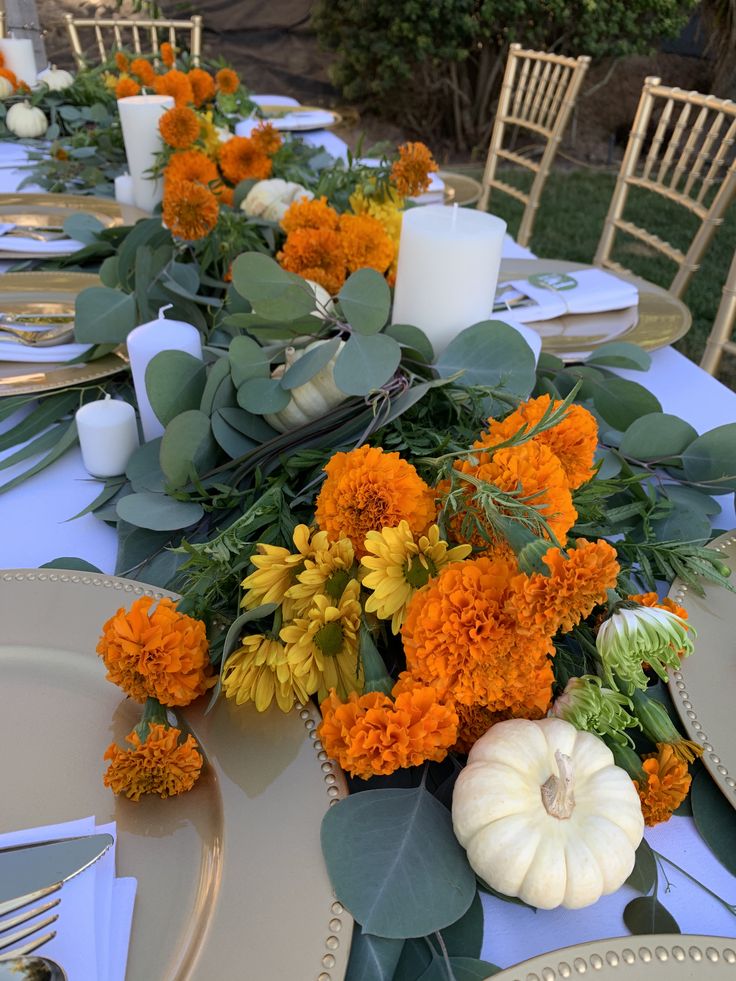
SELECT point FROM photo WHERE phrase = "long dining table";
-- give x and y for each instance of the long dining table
(37, 527)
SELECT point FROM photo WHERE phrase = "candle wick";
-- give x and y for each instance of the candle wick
(454, 217)
(162, 310)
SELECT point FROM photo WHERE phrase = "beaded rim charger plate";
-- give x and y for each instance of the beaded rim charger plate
(48, 293)
(702, 689)
(659, 319)
(655, 957)
(231, 880)
(286, 118)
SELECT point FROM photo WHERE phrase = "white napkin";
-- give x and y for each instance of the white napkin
(314, 118)
(95, 912)
(557, 294)
(53, 354)
(19, 243)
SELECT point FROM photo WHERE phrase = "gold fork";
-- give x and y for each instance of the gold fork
(39, 338)
(32, 931)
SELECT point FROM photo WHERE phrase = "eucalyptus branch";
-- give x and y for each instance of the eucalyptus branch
(663, 858)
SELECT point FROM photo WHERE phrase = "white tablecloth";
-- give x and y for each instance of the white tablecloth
(35, 528)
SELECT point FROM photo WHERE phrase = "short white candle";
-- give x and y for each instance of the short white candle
(449, 259)
(20, 59)
(139, 119)
(108, 435)
(124, 189)
(144, 343)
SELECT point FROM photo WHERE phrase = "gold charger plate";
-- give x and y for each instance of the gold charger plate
(659, 319)
(39, 210)
(48, 292)
(702, 689)
(275, 114)
(460, 189)
(231, 881)
(655, 957)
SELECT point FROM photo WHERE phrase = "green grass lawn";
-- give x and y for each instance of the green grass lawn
(569, 224)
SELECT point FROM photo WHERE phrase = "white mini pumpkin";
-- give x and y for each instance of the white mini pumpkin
(6, 87)
(310, 400)
(56, 79)
(544, 814)
(26, 121)
(272, 198)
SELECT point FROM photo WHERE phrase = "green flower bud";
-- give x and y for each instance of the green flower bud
(587, 705)
(657, 726)
(641, 635)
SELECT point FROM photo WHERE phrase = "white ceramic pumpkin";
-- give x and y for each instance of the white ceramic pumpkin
(544, 814)
(25, 120)
(310, 400)
(56, 79)
(272, 198)
(6, 87)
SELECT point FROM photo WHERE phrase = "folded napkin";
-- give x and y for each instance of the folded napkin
(53, 354)
(95, 912)
(546, 296)
(297, 120)
(19, 243)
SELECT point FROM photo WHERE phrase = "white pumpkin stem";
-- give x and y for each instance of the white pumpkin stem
(557, 792)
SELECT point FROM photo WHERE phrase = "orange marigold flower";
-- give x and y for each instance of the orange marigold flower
(59, 153)
(203, 86)
(191, 165)
(162, 765)
(224, 194)
(227, 81)
(11, 76)
(176, 84)
(2, 60)
(179, 127)
(267, 138)
(316, 254)
(167, 54)
(373, 734)
(475, 721)
(241, 159)
(316, 213)
(667, 785)
(161, 654)
(367, 490)
(460, 635)
(121, 60)
(652, 600)
(190, 211)
(365, 243)
(143, 71)
(410, 173)
(573, 440)
(126, 87)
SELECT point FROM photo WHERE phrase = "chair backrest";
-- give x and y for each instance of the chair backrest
(141, 35)
(685, 155)
(2, 23)
(719, 339)
(537, 94)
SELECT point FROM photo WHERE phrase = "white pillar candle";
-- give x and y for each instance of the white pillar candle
(108, 435)
(139, 119)
(124, 189)
(144, 343)
(449, 259)
(20, 59)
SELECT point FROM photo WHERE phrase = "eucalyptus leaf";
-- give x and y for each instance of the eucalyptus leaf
(144, 467)
(381, 846)
(83, 227)
(490, 353)
(37, 445)
(692, 498)
(175, 382)
(621, 354)
(158, 512)
(644, 875)
(372, 958)
(248, 424)
(647, 915)
(272, 292)
(50, 410)
(682, 524)
(70, 563)
(365, 300)
(110, 489)
(247, 360)
(109, 272)
(715, 818)
(66, 437)
(463, 969)
(229, 439)
(103, 315)
(135, 546)
(711, 459)
(310, 363)
(261, 395)
(365, 363)
(610, 463)
(657, 436)
(219, 390)
(621, 402)
(412, 339)
(186, 446)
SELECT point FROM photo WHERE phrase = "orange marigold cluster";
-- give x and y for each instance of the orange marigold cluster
(316, 254)
(190, 211)
(227, 81)
(203, 86)
(126, 86)
(573, 440)
(667, 785)
(365, 243)
(410, 173)
(11, 76)
(316, 213)
(191, 165)
(242, 159)
(653, 600)
(179, 127)
(367, 490)
(143, 71)
(161, 654)
(163, 764)
(121, 60)
(176, 84)
(373, 734)
(266, 138)
(168, 56)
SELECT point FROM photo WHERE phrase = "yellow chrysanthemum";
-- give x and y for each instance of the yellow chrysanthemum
(276, 570)
(388, 211)
(259, 671)
(326, 638)
(209, 135)
(399, 564)
(328, 572)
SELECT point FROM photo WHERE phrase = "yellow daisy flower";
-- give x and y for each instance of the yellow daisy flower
(277, 568)
(398, 565)
(326, 639)
(261, 670)
(209, 135)
(328, 572)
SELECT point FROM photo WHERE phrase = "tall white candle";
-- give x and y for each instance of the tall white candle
(449, 259)
(108, 434)
(144, 343)
(20, 59)
(139, 118)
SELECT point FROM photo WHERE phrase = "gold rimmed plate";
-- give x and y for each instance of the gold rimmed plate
(48, 293)
(658, 320)
(231, 880)
(460, 189)
(702, 689)
(300, 119)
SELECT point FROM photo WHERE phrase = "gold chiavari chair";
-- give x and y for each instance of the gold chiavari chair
(2, 24)
(690, 161)
(719, 339)
(140, 35)
(537, 94)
